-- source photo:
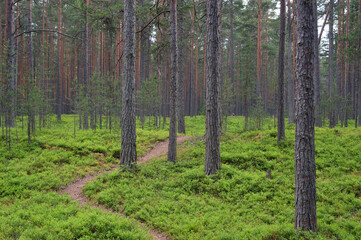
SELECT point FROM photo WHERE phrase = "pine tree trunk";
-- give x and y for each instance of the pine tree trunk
(180, 84)
(172, 146)
(128, 154)
(281, 67)
(58, 80)
(305, 188)
(86, 68)
(259, 50)
(291, 99)
(11, 64)
(213, 160)
(316, 76)
(332, 112)
(231, 65)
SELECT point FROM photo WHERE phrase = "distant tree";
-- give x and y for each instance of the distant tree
(180, 79)
(281, 75)
(172, 147)
(86, 66)
(316, 70)
(11, 64)
(291, 99)
(305, 190)
(331, 96)
(128, 154)
(59, 76)
(213, 159)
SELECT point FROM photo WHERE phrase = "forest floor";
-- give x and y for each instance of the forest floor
(178, 200)
(75, 189)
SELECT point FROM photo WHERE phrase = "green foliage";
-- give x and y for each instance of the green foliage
(51, 216)
(240, 202)
(29, 173)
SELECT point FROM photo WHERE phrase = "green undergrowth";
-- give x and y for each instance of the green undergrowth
(240, 202)
(53, 159)
(52, 216)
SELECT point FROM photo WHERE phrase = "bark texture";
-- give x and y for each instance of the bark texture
(316, 71)
(172, 147)
(180, 79)
(213, 159)
(281, 69)
(128, 154)
(86, 67)
(291, 99)
(332, 113)
(58, 79)
(305, 176)
(11, 63)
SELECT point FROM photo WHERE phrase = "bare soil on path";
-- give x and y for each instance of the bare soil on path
(75, 188)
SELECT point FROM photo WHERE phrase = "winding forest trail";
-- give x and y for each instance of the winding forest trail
(75, 188)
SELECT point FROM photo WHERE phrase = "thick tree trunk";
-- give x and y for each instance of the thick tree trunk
(305, 178)
(213, 159)
(291, 99)
(281, 67)
(128, 154)
(316, 76)
(172, 146)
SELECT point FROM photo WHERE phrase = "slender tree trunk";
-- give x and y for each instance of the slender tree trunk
(231, 67)
(332, 112)
(128, 154)
(259, 49)
(172, 146)
(31, 85)
(213, 160)
(180, 88)
(86, 68)
(291, 99)
(281, 67)
(11, 63)
(305, 190)
(58, 80)
(316, 76)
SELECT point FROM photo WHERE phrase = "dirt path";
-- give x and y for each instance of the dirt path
(74, 189)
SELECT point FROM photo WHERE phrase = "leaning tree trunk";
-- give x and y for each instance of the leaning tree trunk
(281, 68)
(213, 159)
(180, 84)
(291, 99)
(305, 178)
(128, 154)
(172, 146)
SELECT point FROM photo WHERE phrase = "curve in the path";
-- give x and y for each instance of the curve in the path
(75, 188)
